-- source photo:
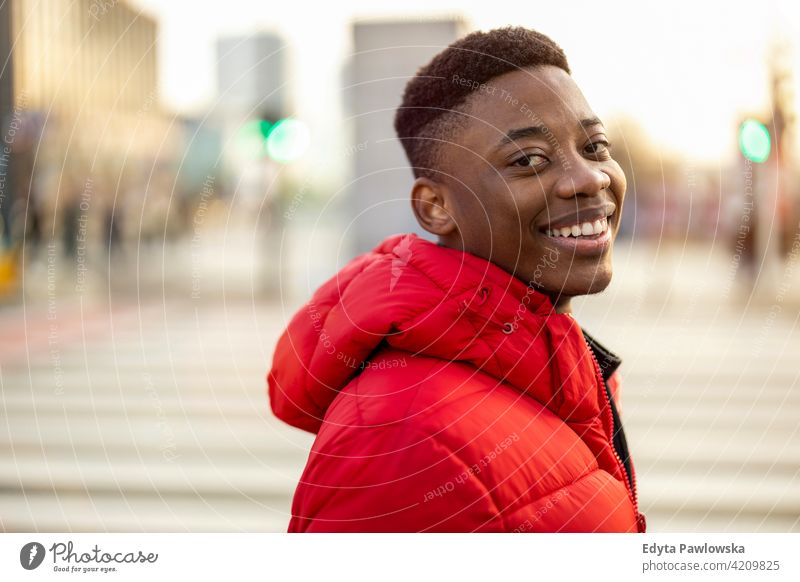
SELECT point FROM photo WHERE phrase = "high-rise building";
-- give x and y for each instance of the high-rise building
(85, 102)
(251, 74)
(386, 54)
(85, 54)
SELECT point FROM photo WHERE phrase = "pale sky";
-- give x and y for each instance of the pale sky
(685, 70)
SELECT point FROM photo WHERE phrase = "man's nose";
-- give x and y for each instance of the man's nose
(582, 180)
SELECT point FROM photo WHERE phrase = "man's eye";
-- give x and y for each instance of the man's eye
(598, 147)
(529, 160)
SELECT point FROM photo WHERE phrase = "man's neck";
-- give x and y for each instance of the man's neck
(563, 304)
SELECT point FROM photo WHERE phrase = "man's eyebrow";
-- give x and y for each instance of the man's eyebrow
(538, 130)
(530, 131)
(589, 122)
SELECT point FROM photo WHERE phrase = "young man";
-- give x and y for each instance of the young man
(448, 384)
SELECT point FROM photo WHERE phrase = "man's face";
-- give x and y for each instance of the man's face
(532, 184)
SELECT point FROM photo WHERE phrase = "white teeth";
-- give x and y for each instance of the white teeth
(584, 229)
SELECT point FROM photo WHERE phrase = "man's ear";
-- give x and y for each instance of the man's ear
(433, 206)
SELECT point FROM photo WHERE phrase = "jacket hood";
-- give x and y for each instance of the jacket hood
(431, 300)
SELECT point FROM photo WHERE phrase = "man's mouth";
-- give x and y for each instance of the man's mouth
(583, 229)
(582, 222)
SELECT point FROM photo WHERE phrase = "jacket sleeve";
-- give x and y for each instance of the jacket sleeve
(391, 479)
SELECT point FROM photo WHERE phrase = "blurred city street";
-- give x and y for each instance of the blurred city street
(153, 415)
(145, 417)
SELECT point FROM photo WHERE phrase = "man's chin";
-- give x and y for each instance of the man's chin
(597, 288)
(576, 286)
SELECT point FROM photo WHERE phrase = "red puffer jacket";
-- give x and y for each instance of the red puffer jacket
(446, 395)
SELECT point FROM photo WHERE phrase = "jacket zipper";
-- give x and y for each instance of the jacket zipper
(632, 493)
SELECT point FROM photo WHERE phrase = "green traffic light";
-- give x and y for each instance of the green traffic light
(754, 141)
(288, 140)
(283, 141)
(265, 127)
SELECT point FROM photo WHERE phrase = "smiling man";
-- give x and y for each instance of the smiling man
(448, 384)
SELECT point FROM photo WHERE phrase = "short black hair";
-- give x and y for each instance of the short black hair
(429, 112)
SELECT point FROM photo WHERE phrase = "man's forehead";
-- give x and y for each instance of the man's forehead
(542, 96)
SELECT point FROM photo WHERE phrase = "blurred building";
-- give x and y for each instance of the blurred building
(251, 74)
(90, 67)
(86, 54)
(385, 55)
(89, 145)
